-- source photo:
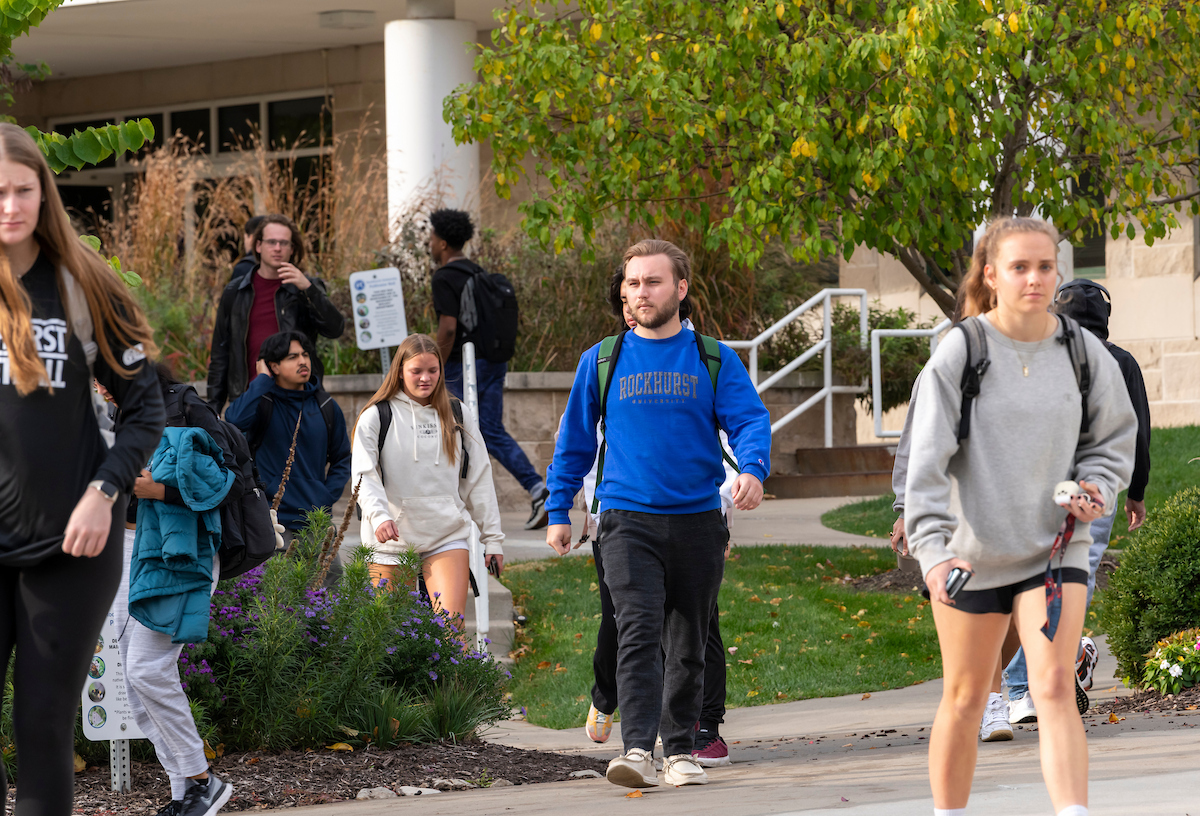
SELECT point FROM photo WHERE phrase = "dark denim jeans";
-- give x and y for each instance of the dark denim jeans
(604, 661)
(663, 572)
(490, 383)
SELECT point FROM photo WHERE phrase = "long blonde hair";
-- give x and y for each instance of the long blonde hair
(974, 295)
(116, 315)
(393, 384)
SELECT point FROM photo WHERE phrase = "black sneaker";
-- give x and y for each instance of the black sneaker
(205, 798)
(172, 808)
(539, 517)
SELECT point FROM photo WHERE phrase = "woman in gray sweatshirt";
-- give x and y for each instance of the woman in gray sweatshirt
(985, 504)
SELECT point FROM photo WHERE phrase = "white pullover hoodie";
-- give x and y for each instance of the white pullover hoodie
(424, 494)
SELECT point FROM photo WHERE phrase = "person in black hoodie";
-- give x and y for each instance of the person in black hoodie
(1091, 305)
(64, 319)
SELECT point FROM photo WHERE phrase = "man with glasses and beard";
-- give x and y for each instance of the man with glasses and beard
(276, 297)
(657, 486)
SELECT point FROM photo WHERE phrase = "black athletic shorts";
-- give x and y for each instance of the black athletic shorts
(1000, 599)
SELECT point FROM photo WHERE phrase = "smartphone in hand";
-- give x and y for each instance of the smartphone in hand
(956, 580)
(492, 566)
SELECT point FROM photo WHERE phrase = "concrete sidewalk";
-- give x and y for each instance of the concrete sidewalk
(855, 755)
(776, 521)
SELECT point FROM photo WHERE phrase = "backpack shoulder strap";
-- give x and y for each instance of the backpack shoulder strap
(262, 420)
(1074, 340)
(973, 370)
(710, 355)
(179, 410)
(79, 315)
(384, 409)
(606, 363)
(328, 406)
(456, 408)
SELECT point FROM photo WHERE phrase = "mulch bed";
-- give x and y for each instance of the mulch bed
(293, 778)
(1150, 700)
(895, 581)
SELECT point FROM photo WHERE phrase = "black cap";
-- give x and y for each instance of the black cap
(1086, 301)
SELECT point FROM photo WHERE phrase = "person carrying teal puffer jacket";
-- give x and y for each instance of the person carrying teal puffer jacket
(172, 567)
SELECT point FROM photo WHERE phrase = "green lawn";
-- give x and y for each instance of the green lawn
(1170, 472)
(796, 630)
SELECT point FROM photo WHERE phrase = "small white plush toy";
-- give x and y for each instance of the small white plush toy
(1063, 491)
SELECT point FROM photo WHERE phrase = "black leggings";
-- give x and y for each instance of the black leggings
(53, 613)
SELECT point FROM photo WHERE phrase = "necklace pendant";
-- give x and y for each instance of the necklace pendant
(1025, 370)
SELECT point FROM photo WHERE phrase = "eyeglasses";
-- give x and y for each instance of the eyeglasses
(280, 244)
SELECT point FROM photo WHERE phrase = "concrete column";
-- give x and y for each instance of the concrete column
(424, 61)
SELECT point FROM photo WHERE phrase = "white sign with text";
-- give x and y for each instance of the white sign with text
(377, 302)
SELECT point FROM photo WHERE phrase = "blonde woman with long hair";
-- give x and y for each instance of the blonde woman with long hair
(64, 319)
(417, 491)
(986, 504)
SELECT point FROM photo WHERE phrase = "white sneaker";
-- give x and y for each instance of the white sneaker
(682, 769)
(634, 770)
(1021, 710)
(995, 727)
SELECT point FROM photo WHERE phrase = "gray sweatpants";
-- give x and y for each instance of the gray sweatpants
(156, 696)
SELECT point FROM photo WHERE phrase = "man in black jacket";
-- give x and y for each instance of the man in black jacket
(275, 297)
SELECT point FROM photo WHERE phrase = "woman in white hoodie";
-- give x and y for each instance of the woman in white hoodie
(416, 495)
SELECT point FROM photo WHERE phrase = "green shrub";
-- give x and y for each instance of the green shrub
(1156, 590)
(288, 666)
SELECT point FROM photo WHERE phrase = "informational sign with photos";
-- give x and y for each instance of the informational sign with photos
(377, 302)
(107, 714)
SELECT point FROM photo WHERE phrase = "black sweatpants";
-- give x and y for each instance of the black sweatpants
(604, 661)
(663, 572)
(52, 613)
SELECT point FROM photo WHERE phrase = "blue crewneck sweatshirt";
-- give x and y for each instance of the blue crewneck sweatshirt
(663, 454)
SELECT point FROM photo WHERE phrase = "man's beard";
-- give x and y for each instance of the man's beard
(659, 318)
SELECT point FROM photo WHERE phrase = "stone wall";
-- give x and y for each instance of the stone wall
(534, 402)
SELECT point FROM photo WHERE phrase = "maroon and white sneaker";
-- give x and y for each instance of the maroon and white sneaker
(710, 751)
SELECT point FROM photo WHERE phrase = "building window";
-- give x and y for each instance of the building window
(299, 123)
(238, 126)
(1090, 252)
(193, 125)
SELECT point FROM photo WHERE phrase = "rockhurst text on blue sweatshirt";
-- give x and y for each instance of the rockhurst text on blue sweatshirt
(663, 454)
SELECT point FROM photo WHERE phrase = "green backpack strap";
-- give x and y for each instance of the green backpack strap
(710, 355)
(606, 362)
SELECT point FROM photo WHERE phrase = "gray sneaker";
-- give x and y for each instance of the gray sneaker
(206, 798)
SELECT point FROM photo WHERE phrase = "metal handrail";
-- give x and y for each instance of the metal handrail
(824, 345)
(877, 367)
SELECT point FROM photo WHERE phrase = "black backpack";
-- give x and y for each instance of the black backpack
(488, 313)
(247, 535)
(977, 365)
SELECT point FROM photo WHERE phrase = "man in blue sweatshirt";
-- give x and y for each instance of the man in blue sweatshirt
(661, 523)
(266, 412)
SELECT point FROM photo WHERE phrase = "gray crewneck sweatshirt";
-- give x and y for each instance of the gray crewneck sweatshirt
(988, 500)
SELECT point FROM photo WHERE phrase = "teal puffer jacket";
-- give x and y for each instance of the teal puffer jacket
(170, 575)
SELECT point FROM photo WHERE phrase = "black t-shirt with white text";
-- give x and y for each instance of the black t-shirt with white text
(52, 445)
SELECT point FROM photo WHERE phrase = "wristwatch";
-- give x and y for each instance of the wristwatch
(107, 489)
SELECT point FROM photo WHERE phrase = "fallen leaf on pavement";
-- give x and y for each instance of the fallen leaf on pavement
(1112, 718)
(848, 745)
(844, 799)
(634, 795)
(866, 696)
